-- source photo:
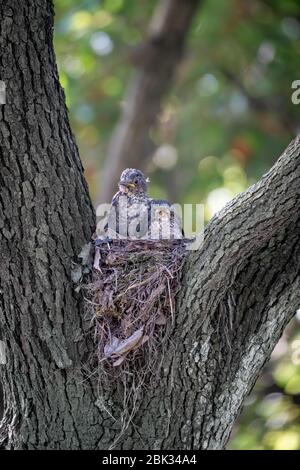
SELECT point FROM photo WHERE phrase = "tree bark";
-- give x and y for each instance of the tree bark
(155, 64)
(238, 291)
(45, 217)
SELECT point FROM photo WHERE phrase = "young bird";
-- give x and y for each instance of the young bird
(128, 216)
(164, 221)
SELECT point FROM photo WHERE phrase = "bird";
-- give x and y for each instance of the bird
(128, 214)
(165, 223)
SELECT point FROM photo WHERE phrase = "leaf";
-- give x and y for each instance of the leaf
(119, 361)
(143, 341)
(76, 273)
(85, 254)
(129, 343)
(97, 259)
(110, 347)
(119, 347)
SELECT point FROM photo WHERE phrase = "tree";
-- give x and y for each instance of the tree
(238, 291)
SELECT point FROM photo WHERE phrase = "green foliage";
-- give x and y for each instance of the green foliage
(223, 124)
(237, 52)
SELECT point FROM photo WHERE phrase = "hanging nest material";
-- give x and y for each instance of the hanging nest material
(131, 301)
(131, 297)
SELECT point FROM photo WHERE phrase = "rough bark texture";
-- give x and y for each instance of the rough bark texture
(238, 291)
(45, 217)
(155, 64)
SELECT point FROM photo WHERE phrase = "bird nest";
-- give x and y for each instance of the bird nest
(131, 299)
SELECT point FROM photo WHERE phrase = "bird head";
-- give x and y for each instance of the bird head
(161, 209)
(133, 181)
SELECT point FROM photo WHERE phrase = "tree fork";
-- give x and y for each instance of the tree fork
(238, 291)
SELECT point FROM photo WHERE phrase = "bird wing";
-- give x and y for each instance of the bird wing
(113, 214)
(138, 216)
(177, 226)
(115, 198)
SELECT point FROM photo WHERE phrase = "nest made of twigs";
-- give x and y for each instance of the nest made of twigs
(131, 299)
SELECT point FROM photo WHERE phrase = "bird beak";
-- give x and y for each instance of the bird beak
(126, 184)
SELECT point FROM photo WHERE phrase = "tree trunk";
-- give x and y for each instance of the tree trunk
(238, 291)
(156, 61)
(45, 217)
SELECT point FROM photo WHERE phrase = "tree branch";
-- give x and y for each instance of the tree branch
(248, 222)
(241, 289)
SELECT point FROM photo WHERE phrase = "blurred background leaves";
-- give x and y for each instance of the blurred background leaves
(223, 123)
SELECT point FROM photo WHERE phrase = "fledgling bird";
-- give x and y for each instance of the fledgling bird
(164, 221)
(128, 216)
